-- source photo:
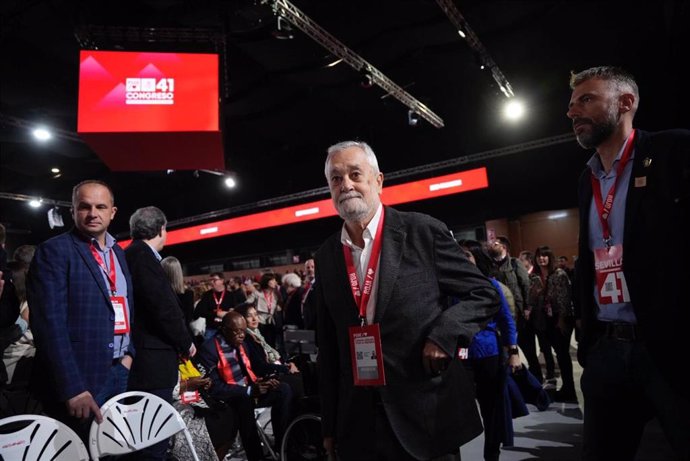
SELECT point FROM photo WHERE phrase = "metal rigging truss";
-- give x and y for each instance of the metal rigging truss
(285, 9)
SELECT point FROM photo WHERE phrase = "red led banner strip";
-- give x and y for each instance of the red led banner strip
(403, 193)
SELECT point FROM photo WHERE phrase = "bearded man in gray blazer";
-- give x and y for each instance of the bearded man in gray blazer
(393, 272)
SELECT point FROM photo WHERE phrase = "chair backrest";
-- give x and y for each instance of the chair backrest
(300, 341)
(43, 438)
(130, 426)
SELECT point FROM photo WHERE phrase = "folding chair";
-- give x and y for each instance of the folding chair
(42, 439)
(130, 427)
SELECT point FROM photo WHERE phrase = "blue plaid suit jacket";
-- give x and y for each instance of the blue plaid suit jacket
(72, 318)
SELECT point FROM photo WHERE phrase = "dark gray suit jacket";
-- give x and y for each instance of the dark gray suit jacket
(159, 331)
(421, 266)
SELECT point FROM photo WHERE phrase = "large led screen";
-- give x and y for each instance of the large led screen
(124, 91)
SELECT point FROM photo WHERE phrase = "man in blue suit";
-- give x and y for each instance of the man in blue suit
(79, 290)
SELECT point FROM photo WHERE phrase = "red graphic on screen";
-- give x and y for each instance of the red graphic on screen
(123, 91)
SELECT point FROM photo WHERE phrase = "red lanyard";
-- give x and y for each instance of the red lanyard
(269, 301)
(225, 370)
(604, 208)
(112, 276)
(362, 296)
(218, 301)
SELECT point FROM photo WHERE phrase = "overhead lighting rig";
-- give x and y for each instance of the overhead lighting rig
(297, 18)
(466, 32)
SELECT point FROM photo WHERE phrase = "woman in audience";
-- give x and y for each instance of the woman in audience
(265, 359)
(173, 269)
(269, 310)
(554, 299)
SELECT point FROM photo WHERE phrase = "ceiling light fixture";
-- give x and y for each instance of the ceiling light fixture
(334, 63)
(412, 118)
(42, 134)
(514, 110)
(283, 30)
(230, 182)
(35, 203)
(367, 80)
(55, 170)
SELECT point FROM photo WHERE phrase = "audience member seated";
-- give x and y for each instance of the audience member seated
(235, 383)
(265, 360)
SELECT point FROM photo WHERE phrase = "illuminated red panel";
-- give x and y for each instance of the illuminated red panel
(122, 91)
(436, 187)
(402, 193)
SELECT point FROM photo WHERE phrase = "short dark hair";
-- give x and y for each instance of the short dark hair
(146, 223)
(265, 278)
(504, 240)
(220, 275)
(528, 255)
(98, 182)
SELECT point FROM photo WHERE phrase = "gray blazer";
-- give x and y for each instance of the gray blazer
(421, 267)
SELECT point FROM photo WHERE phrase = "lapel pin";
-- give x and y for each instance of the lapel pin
(647, 162)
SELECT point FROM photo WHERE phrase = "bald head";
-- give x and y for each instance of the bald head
(233, 327)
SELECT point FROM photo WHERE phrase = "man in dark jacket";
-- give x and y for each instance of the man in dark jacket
(159, 331)
(383, 286)
(633, 195)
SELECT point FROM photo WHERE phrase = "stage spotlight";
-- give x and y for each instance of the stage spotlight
(42, 134)
(367, 80)
(412, 118)
(283, 30)
(230, 182)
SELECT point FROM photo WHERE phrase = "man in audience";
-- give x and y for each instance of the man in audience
(80, 292)
(513, 274)
(234, 382)
(159, 331)
(215, 303)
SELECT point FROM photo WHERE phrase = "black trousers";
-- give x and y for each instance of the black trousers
(387, 447)
(623, 389)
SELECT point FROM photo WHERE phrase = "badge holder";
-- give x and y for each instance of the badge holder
(367, 355)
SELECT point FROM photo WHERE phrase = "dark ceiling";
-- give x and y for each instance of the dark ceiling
(282, 107)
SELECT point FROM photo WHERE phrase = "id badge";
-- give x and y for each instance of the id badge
(367, 356)
(190, 397)
(608, 266)
(121, 318)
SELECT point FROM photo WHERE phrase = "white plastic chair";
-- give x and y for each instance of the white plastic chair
(127, 428)
(43, 438)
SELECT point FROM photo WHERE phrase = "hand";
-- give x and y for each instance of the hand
(192, 350)
(514, 363)
(197, 382)
(527, 313)
(329, 446)
(126, 361)
(292, 368)
(434, 359)
(81, 405)
(261, 387)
